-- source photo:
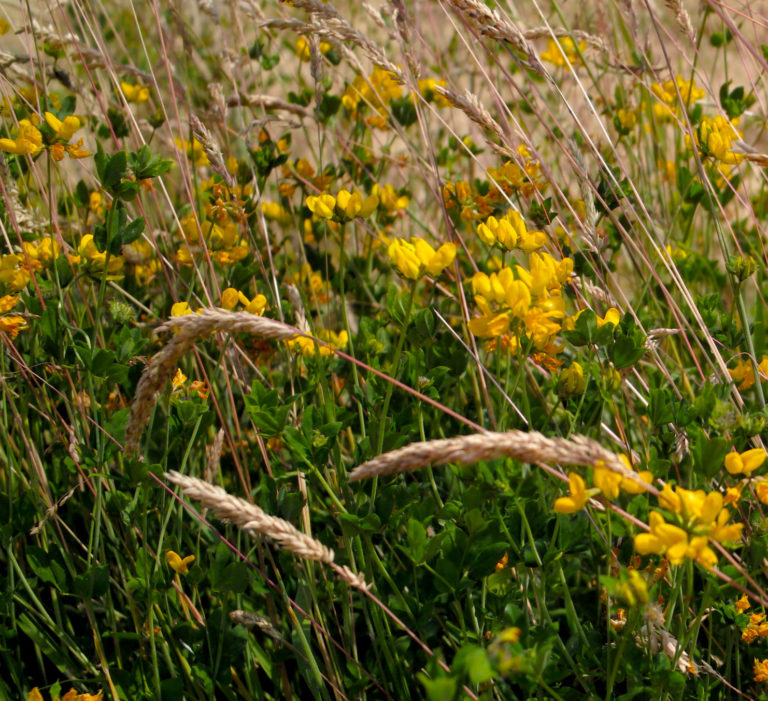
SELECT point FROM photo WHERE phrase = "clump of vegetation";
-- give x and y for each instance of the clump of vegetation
(383, 352)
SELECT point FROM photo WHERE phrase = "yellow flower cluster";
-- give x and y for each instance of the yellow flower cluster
(512, 178)
(510, 232)
(377, 91)
(714, 138)
(221, 228)
(701, 517)
(303, 52)
(231, 297)
(134, 92)
(29, 139)
(756, 628)
(666, 92)
(306, 346)
(344, 207)
(606, 482)
(760, 670)
(16, 269)
(91, 257)
(10, 324)
(389, 200)
(531, 297)
(564, 52)
(194, 151)
(416, 258)
(744, 375)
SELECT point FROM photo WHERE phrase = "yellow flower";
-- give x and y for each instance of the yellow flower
(607, 481)
(181, 309)
(714, 137)
(352, 204)
(307, 346)
(627, 119)
(571, 383)
(631, 486)
(667, 91)
(563, 52)
(578, 499)
(427, 87)
(663, 538)
(63, 130)
(194, 150)
(28, 140)
(303, 52)
(389, 199)
(743, 375)
(494, 231)
(87, 249)
(134, 93)
(178, 379)
(416, 258)
(12, 325)
(8, 302)
(177, 564)
(612, 316)
(509, 635)
(745, 463)
(322, 205)
(742, 604)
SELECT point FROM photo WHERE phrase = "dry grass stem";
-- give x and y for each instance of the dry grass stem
(531, 447)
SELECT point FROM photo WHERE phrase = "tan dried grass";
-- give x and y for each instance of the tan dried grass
(253, 520)
(531, 446)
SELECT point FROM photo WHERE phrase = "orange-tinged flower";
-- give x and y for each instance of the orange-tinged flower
(177, 563)
(760, 670)
(742, 604)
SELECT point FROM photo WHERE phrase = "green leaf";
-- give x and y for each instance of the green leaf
(625, 352)
(114, 170)
(417, 540)
(473, 661)
(48, 566)
(440, 689)
(132, 231)
(92, 583)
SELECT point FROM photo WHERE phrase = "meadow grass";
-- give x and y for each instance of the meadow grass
(355, 351)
